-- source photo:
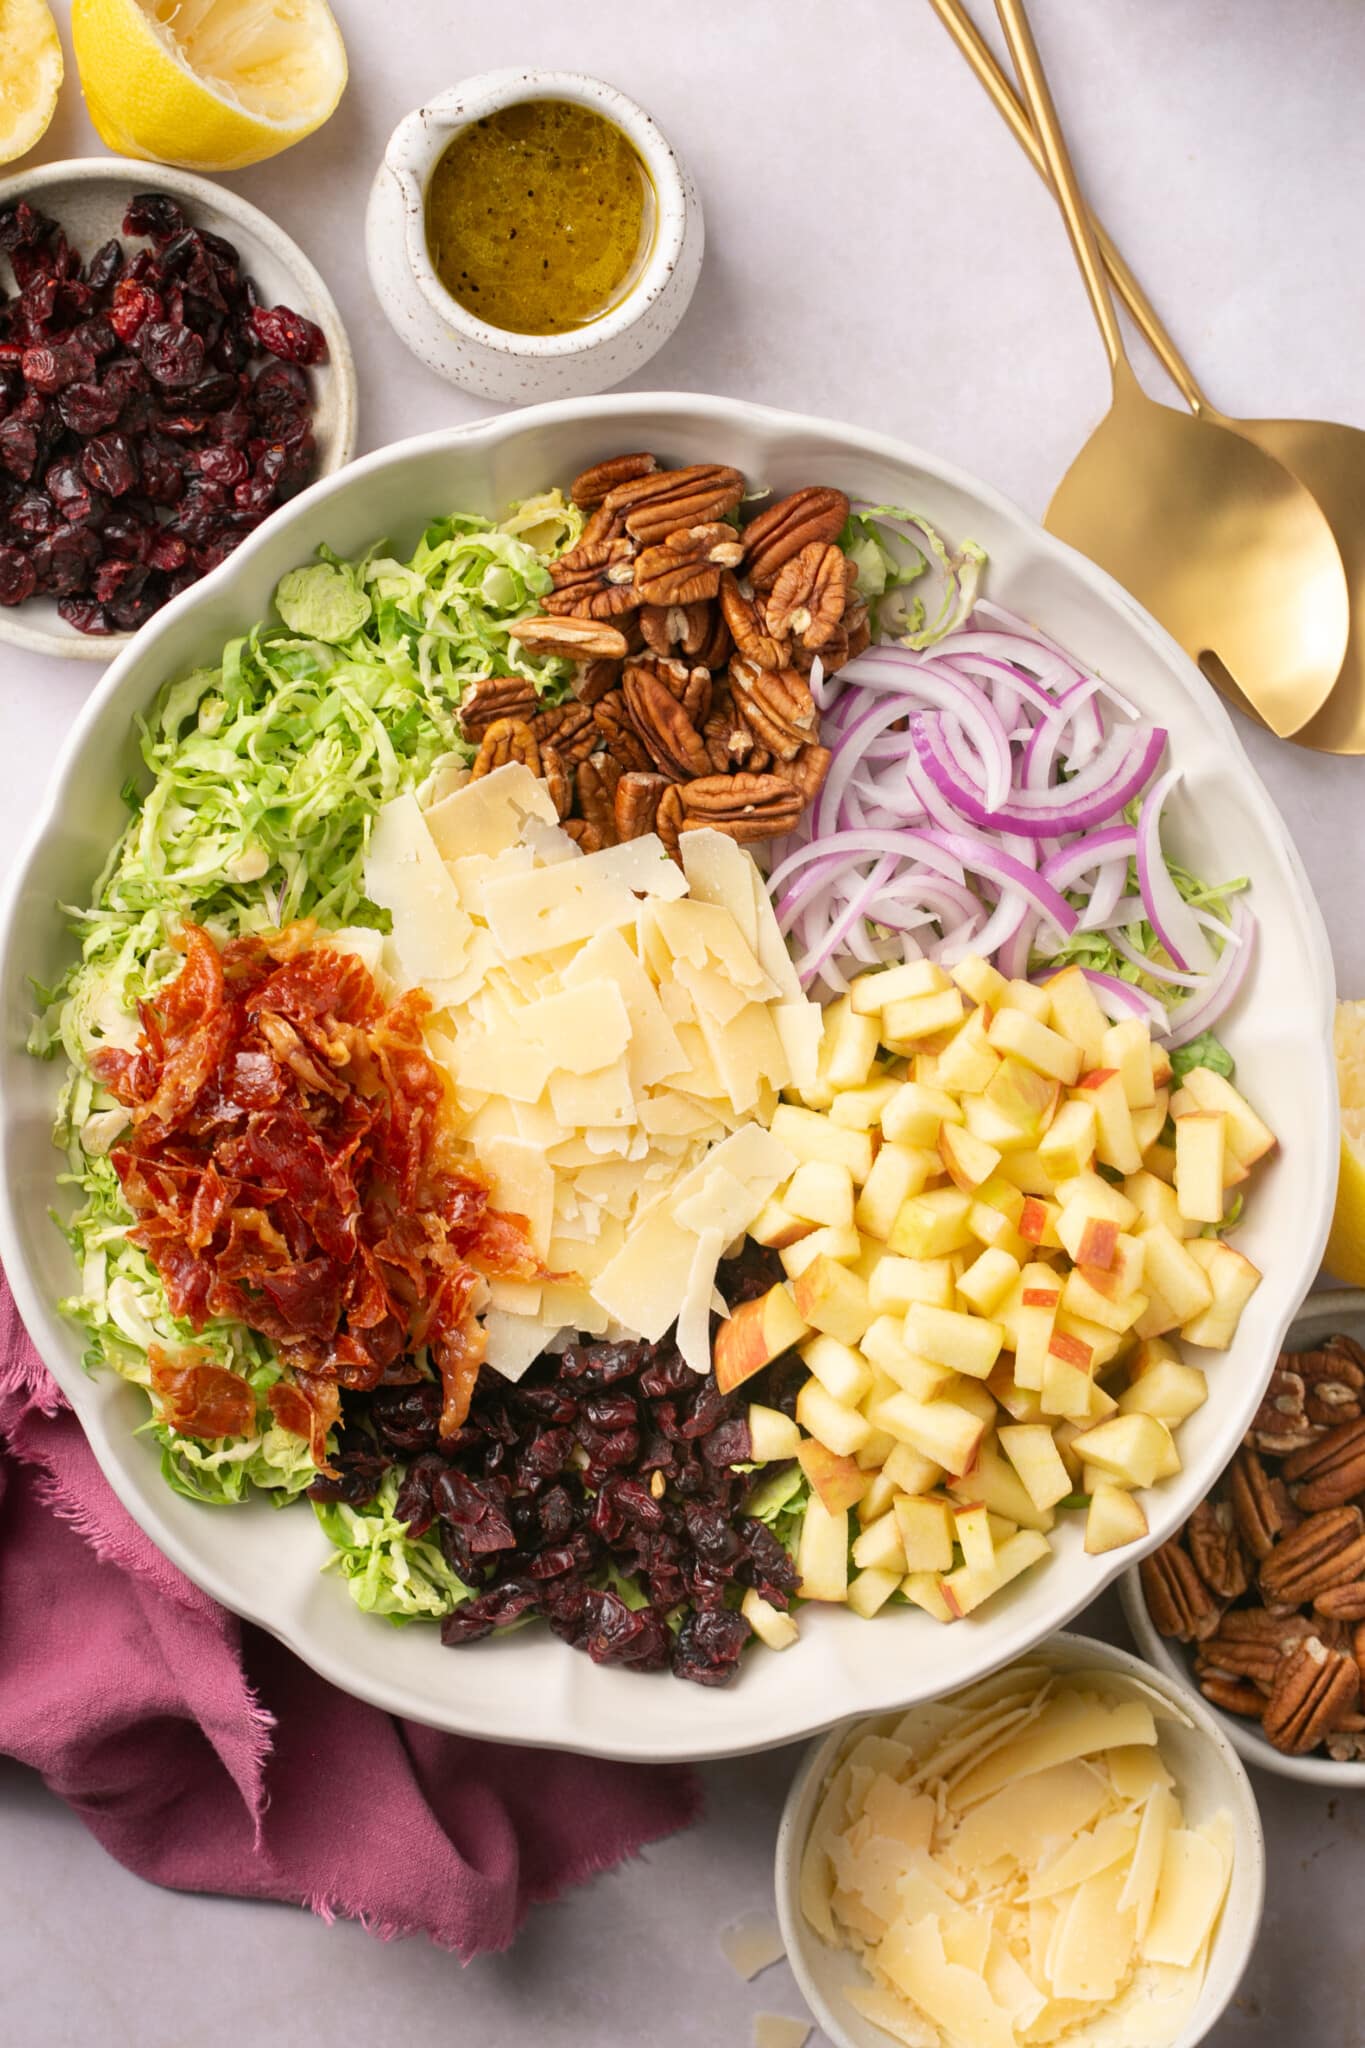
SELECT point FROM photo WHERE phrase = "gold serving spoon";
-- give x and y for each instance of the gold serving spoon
(1211, 534)
(1327, 457)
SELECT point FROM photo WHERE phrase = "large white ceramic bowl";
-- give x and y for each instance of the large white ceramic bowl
(1322, 1316)
(89, 197)
(1208, 1779)
(529, 1688)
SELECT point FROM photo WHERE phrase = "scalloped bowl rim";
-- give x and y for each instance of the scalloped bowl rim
(541, 1693)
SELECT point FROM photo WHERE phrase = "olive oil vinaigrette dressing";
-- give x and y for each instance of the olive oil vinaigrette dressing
(540, 217)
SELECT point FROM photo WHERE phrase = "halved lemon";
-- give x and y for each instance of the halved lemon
(209, 84)
(1345, 1254)
(30, 74)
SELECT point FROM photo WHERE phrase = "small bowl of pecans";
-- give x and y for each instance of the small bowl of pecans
(1259, 1602)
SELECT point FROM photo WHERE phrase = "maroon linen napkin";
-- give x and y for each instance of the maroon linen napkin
(204, 1756)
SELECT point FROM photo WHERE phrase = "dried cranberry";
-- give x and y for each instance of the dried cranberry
(709, 1644)
(168, 552)
(125, 537)
(288, 335)
(105, 265)
(474, 1509)
(65, 562)
(132, 306)
(34, 514)
(22, 227)
(163, 480)
(172, 356)
(555, 1511)
(18, 447)
(51, 366)
(119, 579)
(97, 335)
(88, 409)
(729, 1443)
(222, 465)
(69, 491)
(154, 214)
(132, 608)
(109, 462)
(18, 578)
(84, 614)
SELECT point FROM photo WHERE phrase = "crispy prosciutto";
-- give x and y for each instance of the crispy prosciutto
(290, 1168)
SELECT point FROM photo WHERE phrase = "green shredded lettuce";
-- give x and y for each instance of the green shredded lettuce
(888, 564)
(1207, 1050)
(780, 1501)
(386, 1570)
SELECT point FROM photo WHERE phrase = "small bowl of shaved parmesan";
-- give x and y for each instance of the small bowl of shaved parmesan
(1069, 1852)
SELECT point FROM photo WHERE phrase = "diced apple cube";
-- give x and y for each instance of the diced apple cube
(1125, 1272)
(772, 1627)
(988, 1280)
(853, 1046)
(871, 1456)
(965, 1343)
(1133, 1449)
(1026, 1170)
(1232, 1280)
(1073, 1010)
(832, 1299)
(910, 1471)
(926, 1533)
(878, 1546)
(1168, 1389)
(1033, 1319)
(1034, 1456)
(1028, 997)
(1102, 1343)
(1155, 1202)
(824, 1241)
(870, 1591)
(966, 1589)
(1160, 1160)
(923, 1589)
(916, 1018)
(1171, 1271)
(1128, 1048)
(1200, 1140)
(1066, 1380)
(1021, 1404)
(860, 1109)
(870, 994)
(812, 1136)
(968, 1061)
(822, 1553)
(941, 1430)
(1090, 1194)
(880, 1496)
(1067, 1146)
(772, 1434)
(884, 1344)
(1115, 1144)
(776, 1227)
(972, 1530)
(821, 1193)
(1249, 1139)
(932, 1224)
(898, 1172)
(1038, 1220)
(758, 1332)
(1113, 1519)
(1081, 1297)
(968, 1160)
(1149, 1123)
(841, 1371)
(895, 1282)
(839, 1429)
(914, 1114)
(1014, 1033)
(837, 1480)
(1024, 1099)
(995, 1482)
(980, 981)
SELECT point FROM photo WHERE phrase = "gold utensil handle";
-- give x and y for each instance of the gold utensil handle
(969, 40)
(1046, 126)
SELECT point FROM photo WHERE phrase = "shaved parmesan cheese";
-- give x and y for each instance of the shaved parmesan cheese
(404, 872)
(643, 865)
(514, 1341)
(582, 1029)
(952, 1997)
(1189, 1897)
(752, 1944)
(895, 2016)
(1074, 1726)
(487, 816)
(655, 1052)
(694, 1312)
(524, 1183)
(775, 2030)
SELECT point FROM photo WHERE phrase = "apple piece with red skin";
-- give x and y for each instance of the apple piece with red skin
(836, 1479)
(758, 1332)
(1038, 1222)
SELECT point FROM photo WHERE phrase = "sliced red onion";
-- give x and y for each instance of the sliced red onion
(1202, 1012)
(1170, 917)
(933, 682)
(1010, 875)
(1103, 787)
(1119, 999)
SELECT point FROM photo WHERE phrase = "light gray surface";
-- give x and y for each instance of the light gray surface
(879, 251)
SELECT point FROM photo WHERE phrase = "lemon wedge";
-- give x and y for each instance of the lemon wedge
(30, 74)
(1345, 1254)
(208, 84)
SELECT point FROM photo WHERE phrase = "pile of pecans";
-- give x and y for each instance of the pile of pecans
(1267, 1578)
(693, 640)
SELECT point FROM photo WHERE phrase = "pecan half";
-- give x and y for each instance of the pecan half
(749, 628)
(685, 567)
(558, 779)
(571, 729)
(807, 772)
(591, 486)
(637, 803)
(665, 731)
(776, 705)
(1344, 1748)
(1315, 1690)
(1250, 1643)
(495, 697)
(1233, 1695)
(1334, 1385)
(806, 602)
(668, 819)
(1251, 1493)
(595, 580)
(1216, 1549)
(1331, 1471)
(1342, 1603)
(1327, 1549)
(746, 807)
(616, 735)
(684, 629)
(595, 783)
(579, 639)
(780, 531)
(594, 679)
(729, 742)
(585, 837)
(651, 507)
(506, 739)
(1281, 1425)
(1178, 1601)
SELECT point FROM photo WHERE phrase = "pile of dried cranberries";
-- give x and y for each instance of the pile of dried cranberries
(152, 412)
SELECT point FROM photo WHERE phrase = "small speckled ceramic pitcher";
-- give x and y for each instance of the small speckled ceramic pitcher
(521, 368)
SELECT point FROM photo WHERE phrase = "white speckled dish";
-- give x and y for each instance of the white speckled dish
(1208, 1777)
(529, 1688)
(1337, 1308)
(519, 368)
(89, 195)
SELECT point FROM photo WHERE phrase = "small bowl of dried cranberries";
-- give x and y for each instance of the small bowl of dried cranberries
(172, 369)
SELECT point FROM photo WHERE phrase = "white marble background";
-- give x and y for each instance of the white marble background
(877, 250)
